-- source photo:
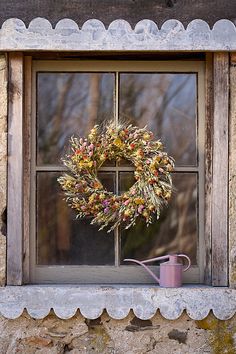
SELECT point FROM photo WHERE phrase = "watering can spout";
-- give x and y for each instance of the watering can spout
(170, 271)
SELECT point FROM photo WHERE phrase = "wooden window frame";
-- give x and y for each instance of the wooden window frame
(216, 177)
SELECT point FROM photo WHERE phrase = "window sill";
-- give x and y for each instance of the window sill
(118, 300)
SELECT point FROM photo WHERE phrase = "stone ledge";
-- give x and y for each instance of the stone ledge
(91, 300)
(67, 36)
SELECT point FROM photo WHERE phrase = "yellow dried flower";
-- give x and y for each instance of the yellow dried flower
(146, 136)
(102, 157)
(117, 142)
(167, 195)
(92, 197)
(158, 191)
(127, 212)
(139, 201)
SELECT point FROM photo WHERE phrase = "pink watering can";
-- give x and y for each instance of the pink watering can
(170, 272)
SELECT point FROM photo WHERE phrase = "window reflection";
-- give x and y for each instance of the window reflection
(166, 103)
(61, 238)
(69, 104)
(175, 232)
(126, 180)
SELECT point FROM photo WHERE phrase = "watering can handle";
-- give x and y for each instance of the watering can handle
(144, 266)
(188, 259)
(156, 259)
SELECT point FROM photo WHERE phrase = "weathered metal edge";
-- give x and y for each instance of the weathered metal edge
(67, 36)
(145, 301)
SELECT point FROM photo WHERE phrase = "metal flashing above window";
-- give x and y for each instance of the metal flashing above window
(119, 36)
(118, 300)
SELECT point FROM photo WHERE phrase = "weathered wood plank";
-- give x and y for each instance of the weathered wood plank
(232, 174)
(220, 171)
(3, 164)
(208, 165)
(26, 154)
(109, 10)
(15, 170)
(232, 59)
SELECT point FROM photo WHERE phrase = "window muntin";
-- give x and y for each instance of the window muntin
(193, 167)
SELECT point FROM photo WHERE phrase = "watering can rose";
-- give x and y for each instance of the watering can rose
(152, 171)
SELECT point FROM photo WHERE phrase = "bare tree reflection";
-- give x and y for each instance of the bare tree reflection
(71, 103)
(67, 104)
(166, 103)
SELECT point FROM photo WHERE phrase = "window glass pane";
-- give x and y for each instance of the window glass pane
(69, 104)
(167, 104)
(175, 232)
(108, 180)
(125, 163)
(126, 180)
(62, 239)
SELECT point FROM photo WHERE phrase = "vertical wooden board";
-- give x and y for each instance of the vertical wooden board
(232, 174)
(26, 156)
(208, 166)
(15, 170)
(3, 164)
(220, 171)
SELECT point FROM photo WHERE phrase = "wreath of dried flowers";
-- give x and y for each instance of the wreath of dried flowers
(85, 193)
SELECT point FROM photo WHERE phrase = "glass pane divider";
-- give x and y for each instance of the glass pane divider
(116, 117)
(186, 169)
(111, 168)
(50, 168)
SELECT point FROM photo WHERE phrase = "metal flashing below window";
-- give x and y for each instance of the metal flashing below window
(91, 301)
(119, 36)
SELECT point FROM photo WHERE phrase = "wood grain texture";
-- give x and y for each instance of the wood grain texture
(232, 59)
(26, 154)
(15, 170)
(109, 10)
(232, 174)
(220, 171)
(208, 166)
(3, 164)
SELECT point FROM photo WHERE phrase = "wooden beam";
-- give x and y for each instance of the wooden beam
(208, 166)
(129, 10)
(220, 171)
(232, 174)
(26, 154)
(15, 171)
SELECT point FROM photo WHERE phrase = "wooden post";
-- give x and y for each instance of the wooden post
(232, 174)
(220, 171)
(27, 155)
(15, 171)
(208, 167)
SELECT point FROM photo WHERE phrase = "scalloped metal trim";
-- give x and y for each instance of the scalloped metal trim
(67, 36)
(118, 301)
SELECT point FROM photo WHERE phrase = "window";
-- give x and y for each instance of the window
(69, 97)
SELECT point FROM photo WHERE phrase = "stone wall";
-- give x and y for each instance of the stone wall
(106, 336)
(103, 335)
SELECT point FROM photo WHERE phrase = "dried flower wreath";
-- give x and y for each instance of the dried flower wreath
(85, 193)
